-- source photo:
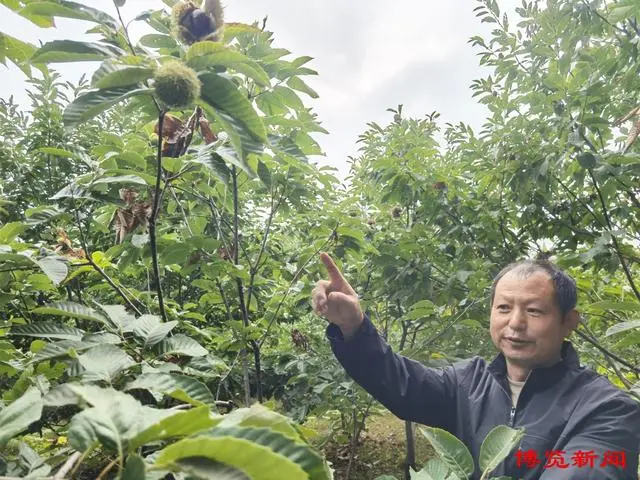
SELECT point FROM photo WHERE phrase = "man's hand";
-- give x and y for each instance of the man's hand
(335, 300)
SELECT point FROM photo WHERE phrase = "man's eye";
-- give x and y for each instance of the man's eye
(503, 307)
(535, 311)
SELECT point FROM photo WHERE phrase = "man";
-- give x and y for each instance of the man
(578, 426)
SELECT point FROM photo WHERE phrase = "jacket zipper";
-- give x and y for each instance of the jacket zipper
(512, 416)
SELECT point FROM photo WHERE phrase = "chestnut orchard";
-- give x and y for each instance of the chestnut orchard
(162, 220)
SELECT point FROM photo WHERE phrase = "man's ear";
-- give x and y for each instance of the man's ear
(571, 320)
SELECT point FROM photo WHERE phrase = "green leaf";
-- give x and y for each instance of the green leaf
(622, 327)
(42, 213)
(223, 95)
(496, 446)
(181, 345)
(113, 418)
(67, 9)
(125, 179)
(121, 76)
(17, 51)
(435, 469)
(605, 305)
(300, 453)
(619, 13)
(10, 231)
(587, 160)
(229, 155)
(64, 348)
(204, 55)
(104, 362)
(58, 51)
(298, 84)
(157, 40)
(151, 329)
(47, 330)
(179, 424)
(53, 267)
(95, 102)
(206, 156)
(255, 460)
(20, 414)
(451, 450)
(71, 309)
(135, 466)
(180, 387)
(260, 416)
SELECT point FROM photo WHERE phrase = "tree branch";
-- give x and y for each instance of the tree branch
(154, 215)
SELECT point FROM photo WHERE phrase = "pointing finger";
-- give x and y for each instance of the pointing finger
(334, 273)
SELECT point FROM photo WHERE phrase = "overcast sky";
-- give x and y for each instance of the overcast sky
(370, 55)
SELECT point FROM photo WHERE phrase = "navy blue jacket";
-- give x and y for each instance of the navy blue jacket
(564, 408)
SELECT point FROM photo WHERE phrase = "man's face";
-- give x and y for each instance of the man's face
(526, 323)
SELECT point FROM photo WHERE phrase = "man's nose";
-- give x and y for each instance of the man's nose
(517, 320)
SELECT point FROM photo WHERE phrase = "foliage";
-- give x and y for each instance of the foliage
(162, 260)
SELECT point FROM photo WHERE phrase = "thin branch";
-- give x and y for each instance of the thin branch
(605, 212)
(97, 267)
(68, 465)
(604, 351)
(293, 280)
(154, 215)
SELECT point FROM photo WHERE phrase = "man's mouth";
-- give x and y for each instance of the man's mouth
(517, 341)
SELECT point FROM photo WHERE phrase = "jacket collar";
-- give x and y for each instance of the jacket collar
(570, 360)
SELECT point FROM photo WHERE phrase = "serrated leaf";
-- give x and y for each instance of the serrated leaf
(125, 179)
(203, 55)
(177, 425)
(17, 417)
(95, 102)
(47, 330)
(62, 348)
(121, 76)
(113, 418)
(298, 84)
(255, 460)
(622, 327)
(260, 416)
(496, 446)
(59, 51)
(223, 95)
(157, 40)
(229, 155)
(605, 305)
(151, 329)
(42, 213)
(71, 309)
(451, 451)
(10, 231)
(181, 344)
(17, 51)
(104, 362)
(177, 386)
(68, 9)
(300, 453)
(53, 267)
(434, 469)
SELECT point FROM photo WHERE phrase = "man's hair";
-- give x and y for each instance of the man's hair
(564, 286)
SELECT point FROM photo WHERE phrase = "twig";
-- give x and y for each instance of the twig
(604, 351)
(293, 280)
(98, 269)
(154, 215)
(613, 237)
(68, 465)
(106, 469)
